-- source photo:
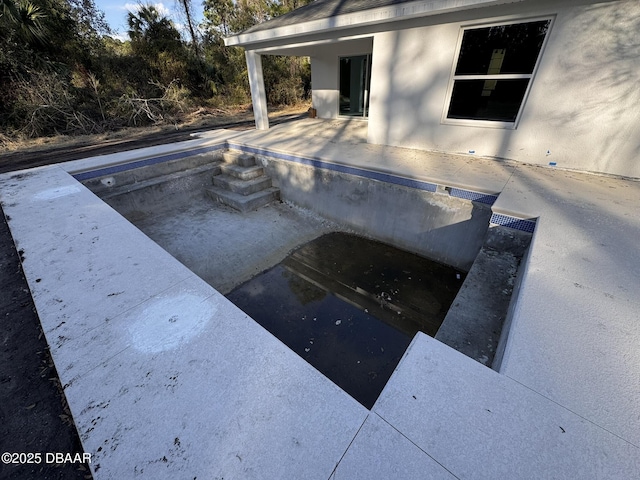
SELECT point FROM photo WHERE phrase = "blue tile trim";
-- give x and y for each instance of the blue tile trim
(513, 222)
(146, 162)
(496, 218)
(360, 172)
(473, 196)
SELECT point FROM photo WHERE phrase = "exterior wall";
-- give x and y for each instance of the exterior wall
(582, 106)
(324, 84)
(325, 74)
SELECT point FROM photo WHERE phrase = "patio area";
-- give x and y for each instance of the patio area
(167, 379)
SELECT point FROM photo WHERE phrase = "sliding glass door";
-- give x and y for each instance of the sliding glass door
(355, 82)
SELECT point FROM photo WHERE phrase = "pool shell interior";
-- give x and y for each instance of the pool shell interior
(172, 191)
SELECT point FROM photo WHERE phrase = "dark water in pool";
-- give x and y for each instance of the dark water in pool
(350, 307)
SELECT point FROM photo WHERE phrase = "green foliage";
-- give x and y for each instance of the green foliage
(152, 34)
(23, 20)
(62, 72)
(219, 17)
(287, 79)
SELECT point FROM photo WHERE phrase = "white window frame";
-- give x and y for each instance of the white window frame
(453, 77)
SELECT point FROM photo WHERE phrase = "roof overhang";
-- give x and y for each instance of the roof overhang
(374, 16)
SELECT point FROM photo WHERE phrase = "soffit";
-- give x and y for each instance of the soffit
(329, 16)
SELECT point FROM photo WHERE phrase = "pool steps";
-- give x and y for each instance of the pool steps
(241, 183)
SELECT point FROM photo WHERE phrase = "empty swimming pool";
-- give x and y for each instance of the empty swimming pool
(167, 199)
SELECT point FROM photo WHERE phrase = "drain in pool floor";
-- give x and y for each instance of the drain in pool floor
(350, 307)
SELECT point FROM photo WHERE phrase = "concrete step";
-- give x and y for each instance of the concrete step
(474, 323)
(244, 203)
(156, 173)
(238, 158)
(243, 173)
(128, 185)
(243, 187)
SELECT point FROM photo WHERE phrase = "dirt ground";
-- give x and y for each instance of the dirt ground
(34, 417)
(44, 151)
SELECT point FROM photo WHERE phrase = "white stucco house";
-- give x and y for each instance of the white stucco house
(537, 81)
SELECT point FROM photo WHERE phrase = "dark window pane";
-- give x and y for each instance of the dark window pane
(345, 86)
(497, 100)
(501, 49)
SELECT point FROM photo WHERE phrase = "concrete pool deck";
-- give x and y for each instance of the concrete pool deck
(166, 379)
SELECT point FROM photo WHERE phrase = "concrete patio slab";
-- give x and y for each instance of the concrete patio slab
(589, 226)
(331, 140)
(479, 424)
(344, 142)
(380, 451)
(81, 245)
(576, 329)
(581, 352)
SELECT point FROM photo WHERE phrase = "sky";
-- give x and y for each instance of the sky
(116, 11)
